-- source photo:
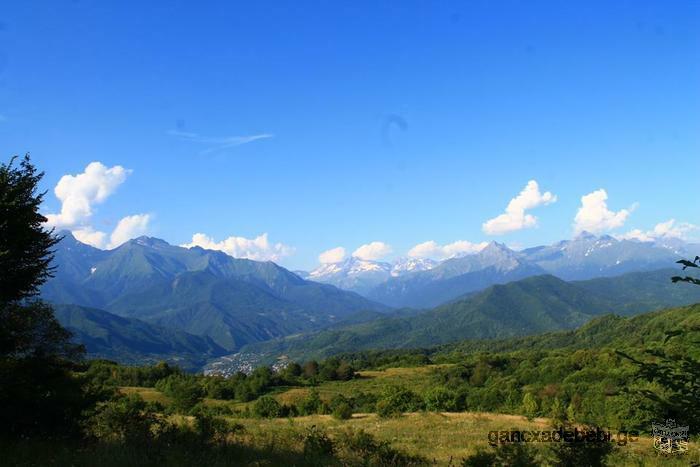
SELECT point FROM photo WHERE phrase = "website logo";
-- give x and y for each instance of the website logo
(670, 438)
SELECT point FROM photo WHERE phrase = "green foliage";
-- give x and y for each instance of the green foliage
(266, 407)
(530, 406)
(125, 419)
(366, 450)
(581, 454)
(513, 455)
(396, 400)
(533, 305)
(25, 246)
(312, 404)
(184, 390)
(439, 399)
(317, 444)
(39, 394)
(342, 411)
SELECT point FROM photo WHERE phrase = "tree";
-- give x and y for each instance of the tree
(185, 391)
(266, 407)
(40, 395)
(678, 375)
(310, 369)
(25, 245)
(530, 406)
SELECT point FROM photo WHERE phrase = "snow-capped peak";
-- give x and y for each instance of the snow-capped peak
(405, 265)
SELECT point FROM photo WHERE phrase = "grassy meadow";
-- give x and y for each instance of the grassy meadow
(443, 438)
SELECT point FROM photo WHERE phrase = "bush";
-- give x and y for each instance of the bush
(266, 407)
(126, 419)
(312, 404)
(363, 447)
(397, 400)
(317, 444)
(441, 400)
(342, 411)
(184, 391)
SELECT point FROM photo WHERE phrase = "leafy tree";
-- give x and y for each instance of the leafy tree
(266, 407)
(127, 419)
(39, 393)
(530, 405)
(558, 410)
(439, 399)
(581, 453)
(25, 245)
(310, 369)
(342, 411)
(312, 404)
(397, 400)
(185, 391)
(678, 375)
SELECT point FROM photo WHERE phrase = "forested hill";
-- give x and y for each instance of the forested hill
(530, 306)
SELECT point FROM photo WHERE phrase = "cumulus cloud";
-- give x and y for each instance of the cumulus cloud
(79, 193)
(432, 249)
(595, 217)
(334, 255)
(91, 236)
(668, 229)
(129, 227)
(258, 248)
(515, 217)
(373, 251)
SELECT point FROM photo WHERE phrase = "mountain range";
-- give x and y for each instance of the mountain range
(202, 292)
(528, 306)
(148, 300)
(584, 257)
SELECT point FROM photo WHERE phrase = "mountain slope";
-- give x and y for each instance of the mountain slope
(495, 264)
(133, 341)
(532, 305)
(588, 256)
(234, 301)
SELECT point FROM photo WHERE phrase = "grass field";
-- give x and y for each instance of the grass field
(447, 437)
(439, 437)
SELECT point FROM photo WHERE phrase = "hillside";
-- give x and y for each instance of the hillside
(203, 292)
(533, 305)
(132, 341)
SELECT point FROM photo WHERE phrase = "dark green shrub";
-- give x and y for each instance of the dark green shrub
(342, 411)
(266, 407)
(441, 400)
(185, 391)
(396, 400)
(317, 445)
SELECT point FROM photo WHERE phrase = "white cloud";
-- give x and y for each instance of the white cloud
(91, 236)
(668, 229)
(431, 249)
(258, 248)
(79, 193)
(515, 217)
(334, 255)
(372, 251)
(218, 144)
(129, 227)
(595, 217)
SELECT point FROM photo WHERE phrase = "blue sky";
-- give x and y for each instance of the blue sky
(328, 124)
